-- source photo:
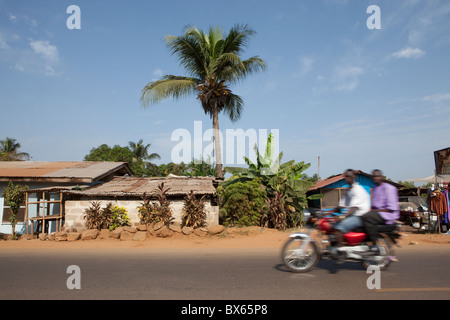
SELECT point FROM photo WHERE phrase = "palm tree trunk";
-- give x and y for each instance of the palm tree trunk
(219, 166)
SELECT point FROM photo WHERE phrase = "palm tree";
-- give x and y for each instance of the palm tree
(212, 62)
(141, 152)
(9, 150)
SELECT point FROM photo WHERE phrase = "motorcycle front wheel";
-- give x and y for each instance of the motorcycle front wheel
(382, 260)
(299, 258)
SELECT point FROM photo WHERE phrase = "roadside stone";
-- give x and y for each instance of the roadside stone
(51, 236)
(116, 233)
(73, 236)
(140, 236)
(413, 243)
(126, 235)
(216, 229)
(150, 231)
(187, 230)
(89, 234)
(104, 234)
(61, 236)
(158, 225)
(164, 232)
(141, 227)
(201, 232)
(26, 237)
(43, 236)
(175, 227)
(130, 229)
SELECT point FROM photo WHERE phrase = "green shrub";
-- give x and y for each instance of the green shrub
(93, 216)
(150, 212)
(194, 213)
(109, 217)
(14, 196)
(119, 217)
(241, 202)
(274, 212)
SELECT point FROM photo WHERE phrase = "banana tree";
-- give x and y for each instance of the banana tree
(286, 179)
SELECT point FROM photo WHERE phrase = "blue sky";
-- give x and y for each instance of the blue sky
(356, 97)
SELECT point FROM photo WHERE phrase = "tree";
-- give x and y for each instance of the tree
(140, 151)
(14, 196)
(212, 62)
(106, 153)
(283, 181)
(9, 150)
(200, 168)
(407, 184)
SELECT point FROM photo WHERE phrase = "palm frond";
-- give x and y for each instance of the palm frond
(234, 107)
(190, 52)
(237, 38)
(169, 87)
(239, 72)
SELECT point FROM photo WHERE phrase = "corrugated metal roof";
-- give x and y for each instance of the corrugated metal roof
(137, 186)
(87, 171)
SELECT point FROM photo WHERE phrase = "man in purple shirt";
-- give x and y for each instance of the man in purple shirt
(385, 208)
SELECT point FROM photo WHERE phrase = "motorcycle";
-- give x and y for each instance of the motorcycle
(302, 251)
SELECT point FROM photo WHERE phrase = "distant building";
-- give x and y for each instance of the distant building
(128, 192)
(40, 174)
(334, 188)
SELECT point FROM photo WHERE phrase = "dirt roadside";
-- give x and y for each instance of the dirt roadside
(250, 237)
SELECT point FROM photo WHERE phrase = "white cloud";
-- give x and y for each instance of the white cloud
(437, 97)
(305, 65)
(409, 53)
(157, 73)
(347, 78)
(47, 51)
(12, 17)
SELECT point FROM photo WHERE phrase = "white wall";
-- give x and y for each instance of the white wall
(74, 210)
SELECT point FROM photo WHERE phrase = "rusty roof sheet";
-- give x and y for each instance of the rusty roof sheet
(137, 186)
(87, 170)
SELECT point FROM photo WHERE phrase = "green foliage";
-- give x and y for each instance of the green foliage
(148, 212)
(135, 157)
(14, 196)
(177, 169)
(119, 217)
(407, 184)
(151, 212)
(274, 212)
(93, 216)
(280, 179)
(106, 153)
(9, 151)
(240, 203)
(140, 151)
(200, 168)
(194, 213)
(109, 217)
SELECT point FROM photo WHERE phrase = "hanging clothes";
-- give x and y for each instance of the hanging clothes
(438, 203)
(447, 206)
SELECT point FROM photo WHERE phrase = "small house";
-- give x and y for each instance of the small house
(42, 174)
(333, 189)
(128, 192)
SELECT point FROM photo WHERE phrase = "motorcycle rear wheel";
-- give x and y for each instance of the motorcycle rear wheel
(381, 261)
(297, 259)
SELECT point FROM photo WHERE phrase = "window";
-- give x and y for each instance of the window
(20, 216)
(331, 197)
